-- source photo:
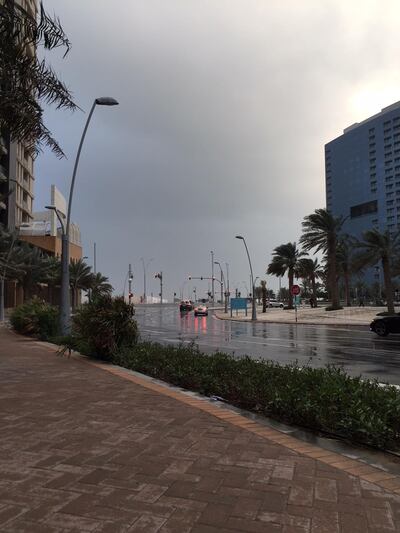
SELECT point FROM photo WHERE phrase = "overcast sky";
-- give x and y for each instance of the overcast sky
(225, 107)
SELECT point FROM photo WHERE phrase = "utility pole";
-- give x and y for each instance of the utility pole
(130, 278)
(94, 258)
(212, 276)
(228, 293)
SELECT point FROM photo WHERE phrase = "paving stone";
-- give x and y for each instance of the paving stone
(83, 449)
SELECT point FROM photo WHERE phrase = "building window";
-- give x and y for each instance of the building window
(364, 209)
(388, 162)
(387, 131)
(387, 139)
(390, 202)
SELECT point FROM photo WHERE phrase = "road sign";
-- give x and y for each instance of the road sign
(238, 303)
(295, 290)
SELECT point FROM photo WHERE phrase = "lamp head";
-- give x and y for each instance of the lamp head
(239, 237)
(106, 100)
(51, 207)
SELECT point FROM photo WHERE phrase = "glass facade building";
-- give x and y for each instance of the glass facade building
(362, 172)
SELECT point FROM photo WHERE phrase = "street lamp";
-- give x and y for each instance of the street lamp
(65, 310)
(223, 284)
(253, 306)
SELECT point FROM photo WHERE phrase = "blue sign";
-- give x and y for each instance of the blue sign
(238, 303)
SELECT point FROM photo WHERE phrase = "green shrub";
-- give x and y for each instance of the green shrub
(323, 399)
(36, 318)
(104, 327)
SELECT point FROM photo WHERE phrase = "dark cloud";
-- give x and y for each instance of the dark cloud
(224, 110)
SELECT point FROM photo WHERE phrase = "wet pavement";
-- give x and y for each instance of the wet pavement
(355, 348)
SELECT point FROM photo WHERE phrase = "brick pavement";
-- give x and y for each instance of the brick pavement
(85, 450)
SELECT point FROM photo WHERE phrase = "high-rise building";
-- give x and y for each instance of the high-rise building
(16, 168)
(363, 173)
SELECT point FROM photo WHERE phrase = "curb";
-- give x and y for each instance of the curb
(299, 323)
(385, 480)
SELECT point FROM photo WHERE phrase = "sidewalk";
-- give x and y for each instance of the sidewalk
(348, 316)
(87, 447)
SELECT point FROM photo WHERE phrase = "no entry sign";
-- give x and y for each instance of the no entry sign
(295, 290)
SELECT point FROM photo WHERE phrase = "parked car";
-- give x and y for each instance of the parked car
(185, 305)
(383, 325)
(275, 303)
(201, 310)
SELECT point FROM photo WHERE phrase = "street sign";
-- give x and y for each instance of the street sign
(238, 303)
(295, 290)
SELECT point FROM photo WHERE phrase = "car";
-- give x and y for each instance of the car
(275, 303)
(383, 325)
(201, 310)
(185, 305)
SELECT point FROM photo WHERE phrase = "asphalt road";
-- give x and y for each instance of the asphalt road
(355, 348)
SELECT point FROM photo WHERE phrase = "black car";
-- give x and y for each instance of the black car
(383, 325)
(185, 305)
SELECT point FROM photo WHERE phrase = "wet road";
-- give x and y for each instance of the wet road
(356, 349)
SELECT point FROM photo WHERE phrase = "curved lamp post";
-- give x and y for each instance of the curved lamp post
(253, 303)
(65, 311)
(223, 284)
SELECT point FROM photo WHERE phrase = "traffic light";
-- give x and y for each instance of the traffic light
(201, 278)
(190, 277)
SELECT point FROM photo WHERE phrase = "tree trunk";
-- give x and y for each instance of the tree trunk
(347, 288)
(314, 290)
(2, 299)
(264, 297)
(290, 276)
(387, 276)
(335, 301)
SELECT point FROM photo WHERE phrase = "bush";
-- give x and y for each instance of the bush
(104, 327)
(324, 399)
(36, 318)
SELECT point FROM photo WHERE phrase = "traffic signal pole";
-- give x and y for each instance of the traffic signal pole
(130, 277)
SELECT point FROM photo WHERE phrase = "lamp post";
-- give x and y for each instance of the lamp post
(159, 275)
(228, 290)
(65, 310)
(145, 265)
(212, 276)
(222, 287)
(130, 278)
(253, 306)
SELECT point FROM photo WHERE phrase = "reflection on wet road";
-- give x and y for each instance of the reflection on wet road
(355, 348)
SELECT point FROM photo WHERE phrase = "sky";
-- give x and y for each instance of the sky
(225, 108)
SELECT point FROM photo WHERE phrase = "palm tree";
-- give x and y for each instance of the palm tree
(26, 80)
(36, 267)
(309, 269)
(285, 259)
(80, 278)
(100, 286)
(52, 275)
(320, 232)
(346, 264)
(264, 293)
(381, 248)
(11, 262)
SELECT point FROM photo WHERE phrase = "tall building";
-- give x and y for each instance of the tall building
(362, 169)
(16, 168)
